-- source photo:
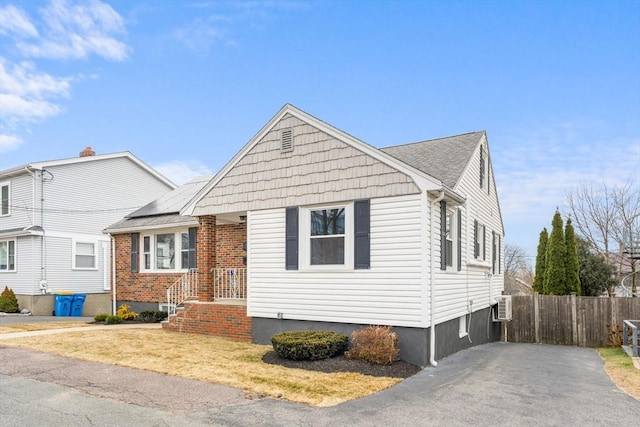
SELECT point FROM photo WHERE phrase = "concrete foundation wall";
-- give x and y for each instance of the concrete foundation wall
(481, 329)
(139, 307)
(43, 305)
(414, 342)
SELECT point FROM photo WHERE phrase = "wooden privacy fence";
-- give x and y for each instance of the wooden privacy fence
(570, 320)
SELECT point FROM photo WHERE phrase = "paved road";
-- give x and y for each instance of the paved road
(495, 384)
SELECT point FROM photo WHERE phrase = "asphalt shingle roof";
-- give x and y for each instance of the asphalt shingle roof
(444, 158)
(164, 210)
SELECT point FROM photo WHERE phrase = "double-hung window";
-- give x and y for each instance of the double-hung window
(84, 256)
(168, 251)
(480, 246)
(7, 255)
(497, 249)
(4, 198)
(328, 237)
(165, 247)
(450, 238)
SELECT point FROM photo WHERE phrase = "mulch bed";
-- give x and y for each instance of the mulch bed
(398, 369)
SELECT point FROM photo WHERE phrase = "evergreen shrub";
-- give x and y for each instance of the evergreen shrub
(113, 320)
(152, 316)
(101, 317)
(8, 301)
(309, 345)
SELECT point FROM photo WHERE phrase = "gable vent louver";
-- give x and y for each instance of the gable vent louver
(286, 143)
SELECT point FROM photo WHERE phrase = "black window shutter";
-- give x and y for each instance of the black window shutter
(192, 247)
(459, 240)
(135, 245)
(362, 244)
(291, 239)
(476, 246)
(484, 243)
(493, 255)
(499, 251)
(443, 235)
(481, 167)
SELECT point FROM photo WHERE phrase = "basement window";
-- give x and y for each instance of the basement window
(286, 141)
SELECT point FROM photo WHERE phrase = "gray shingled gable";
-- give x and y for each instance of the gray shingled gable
(444, 158)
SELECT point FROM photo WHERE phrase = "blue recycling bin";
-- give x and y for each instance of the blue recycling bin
(77, 303)
(62, 304)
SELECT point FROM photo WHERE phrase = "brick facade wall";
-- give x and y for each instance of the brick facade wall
(140, 287)
(215, 319)
(230, 240)
(227, 239)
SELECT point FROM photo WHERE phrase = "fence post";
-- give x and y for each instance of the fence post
(574, 320)
(536, 317)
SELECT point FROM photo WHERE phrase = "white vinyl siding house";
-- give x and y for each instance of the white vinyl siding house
(57, 212)
(299, 182)
(388, 293)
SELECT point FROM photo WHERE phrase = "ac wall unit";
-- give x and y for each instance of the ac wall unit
(503, 310)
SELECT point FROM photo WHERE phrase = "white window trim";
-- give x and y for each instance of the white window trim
(453, 266)
(305, 238)
(496, 264)
(15, 256)
(74, 243)
(8, 185)
(152, 251)
(463, 326)
(481, 239)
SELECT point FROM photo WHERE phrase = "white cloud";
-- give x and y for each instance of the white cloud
(14, 21)
(217, 21)
(9, 142)
(77, 30)
(24, 80)
(16, 109)
(203, 33)
(63, 29)
(181, 172)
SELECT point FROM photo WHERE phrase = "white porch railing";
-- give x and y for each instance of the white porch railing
(184, 289)
(230, 283)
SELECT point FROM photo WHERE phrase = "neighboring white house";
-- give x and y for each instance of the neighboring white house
(52, 215)
(341, 234)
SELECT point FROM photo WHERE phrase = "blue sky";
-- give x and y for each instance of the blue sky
(184, 85)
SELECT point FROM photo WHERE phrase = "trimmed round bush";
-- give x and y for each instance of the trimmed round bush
(113, 320)
(101, 317)
(152, 316)
(309, 345)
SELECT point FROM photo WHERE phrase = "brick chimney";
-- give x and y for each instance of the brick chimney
(87, 152)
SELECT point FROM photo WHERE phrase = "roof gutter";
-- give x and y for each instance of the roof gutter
(432, 326)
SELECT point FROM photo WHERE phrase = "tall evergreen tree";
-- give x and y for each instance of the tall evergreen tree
(596, 276)
(555, 270)
(572, 265)
(538, 280)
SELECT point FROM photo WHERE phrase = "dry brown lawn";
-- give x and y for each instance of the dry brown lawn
(620, 368)
(6, 329)
(205, 358)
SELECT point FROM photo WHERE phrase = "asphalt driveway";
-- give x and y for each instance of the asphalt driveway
(494, 384)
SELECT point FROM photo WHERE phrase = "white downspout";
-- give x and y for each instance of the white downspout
(113, 273)
(432, 328)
